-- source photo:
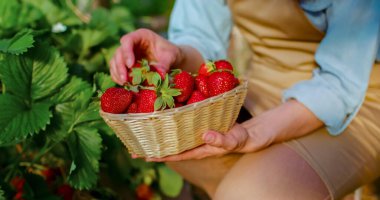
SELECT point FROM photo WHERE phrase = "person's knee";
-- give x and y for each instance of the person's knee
(275, 173)
(205, 173)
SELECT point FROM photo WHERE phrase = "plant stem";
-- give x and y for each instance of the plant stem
(84, 18)
(45, 149)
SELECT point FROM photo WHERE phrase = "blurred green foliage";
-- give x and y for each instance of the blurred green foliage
(53, 61)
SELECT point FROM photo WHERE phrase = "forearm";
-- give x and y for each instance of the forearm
(287, 121)
(189, 59)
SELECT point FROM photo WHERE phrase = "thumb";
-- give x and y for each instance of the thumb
(230, 141)
(220, 140)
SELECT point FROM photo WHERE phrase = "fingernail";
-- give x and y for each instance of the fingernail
(129, 62)
(209, 138)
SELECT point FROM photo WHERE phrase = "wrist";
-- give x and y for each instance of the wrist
(259, 132)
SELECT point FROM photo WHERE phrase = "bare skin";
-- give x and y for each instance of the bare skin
(144, 43)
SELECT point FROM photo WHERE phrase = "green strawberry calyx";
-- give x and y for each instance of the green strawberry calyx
(174, 72)
(153, 78)
(210, 66)
(139, 73)
(165, 95)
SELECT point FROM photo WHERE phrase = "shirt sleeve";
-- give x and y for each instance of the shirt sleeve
(203, 24)
(345, 58)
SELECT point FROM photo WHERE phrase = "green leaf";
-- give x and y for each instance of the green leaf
(159, 103)
(57, 131)
(156, 79)
(173, 92)
(174, 72)
(8, 16)
(18, 44)
(100, 20)
(168, 101)
(54, 13)
(103, 81)
(136, 76)
(1, 194)
(169, 181)
(89, 38)
(108, 53)
(71, 90)
(14, 15)
(123, 17)
(166, 82)
(73, 109)
(153, 78)
(91, 113)
(35, 75)
(78, 111)
(85, 150)
(18, 120)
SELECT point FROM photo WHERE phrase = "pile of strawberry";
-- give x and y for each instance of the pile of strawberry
(148, 89)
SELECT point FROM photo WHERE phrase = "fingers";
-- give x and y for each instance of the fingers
(127, 44)
(150, 45)
(196, 153)
(120, 66)
(129, 41)
(114, 73)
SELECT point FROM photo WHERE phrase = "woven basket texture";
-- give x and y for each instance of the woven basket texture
(173, 131)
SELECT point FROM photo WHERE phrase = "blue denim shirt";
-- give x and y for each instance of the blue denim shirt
(345, 55)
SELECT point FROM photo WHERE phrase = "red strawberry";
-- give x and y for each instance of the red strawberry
(220, 82)
(145, 101)
(65, 191)
(50, 175)
(19, 195)
(144, 192)
(116, 100)
(201, 84)
(195, 97)
(206, 68)
(185, 83)
(237, 82)
(155, 69)
(223, 64)
(177, 105)
(132, 108)
(18, 183)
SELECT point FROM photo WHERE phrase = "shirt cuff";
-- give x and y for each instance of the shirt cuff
(323, 102)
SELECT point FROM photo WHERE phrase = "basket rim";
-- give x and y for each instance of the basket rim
(135, 116)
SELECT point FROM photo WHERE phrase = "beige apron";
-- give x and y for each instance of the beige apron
(284, 43)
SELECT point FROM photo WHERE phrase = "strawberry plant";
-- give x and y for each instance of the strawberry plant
(53, 62)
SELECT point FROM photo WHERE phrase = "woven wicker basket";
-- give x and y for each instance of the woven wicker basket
(173, 131)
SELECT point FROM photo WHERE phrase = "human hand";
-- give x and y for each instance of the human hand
(287, 121)
(237, 140)
(139, 44)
